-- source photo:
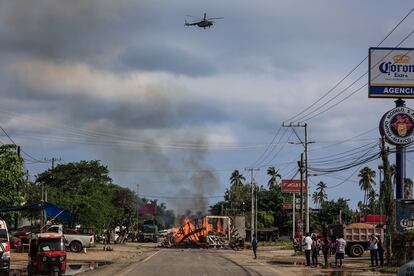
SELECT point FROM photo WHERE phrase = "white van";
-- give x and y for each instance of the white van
(4, 248)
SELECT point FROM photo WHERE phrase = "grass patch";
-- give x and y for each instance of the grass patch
(388, 269)
(283, 244)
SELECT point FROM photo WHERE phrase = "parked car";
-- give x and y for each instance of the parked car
(75, 239)
(4, 248)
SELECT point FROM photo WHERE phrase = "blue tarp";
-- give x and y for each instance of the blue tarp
(50, 209)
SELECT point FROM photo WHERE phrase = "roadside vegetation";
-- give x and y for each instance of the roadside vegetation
(84, 188)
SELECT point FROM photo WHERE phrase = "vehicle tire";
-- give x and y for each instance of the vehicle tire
(75, 246)
(356, 250)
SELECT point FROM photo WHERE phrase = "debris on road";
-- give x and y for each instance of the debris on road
(209, 231)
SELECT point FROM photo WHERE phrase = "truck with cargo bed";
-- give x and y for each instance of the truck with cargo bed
(356, 235)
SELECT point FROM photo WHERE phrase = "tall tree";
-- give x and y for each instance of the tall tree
(367, 182)
(12, 178)
(274, 175)
(388, 198)
(236, 178)
(85, 189)
(320, 194)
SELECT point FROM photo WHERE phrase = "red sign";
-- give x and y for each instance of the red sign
(287, 205)
(292, 186)
(148, 208)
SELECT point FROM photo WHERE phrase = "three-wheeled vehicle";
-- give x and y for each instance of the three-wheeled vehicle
(47, 255)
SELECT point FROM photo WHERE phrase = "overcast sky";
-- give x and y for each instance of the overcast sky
(176, 109)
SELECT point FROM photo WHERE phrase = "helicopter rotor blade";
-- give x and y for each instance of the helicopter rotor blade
(215, 18)
(194, 17)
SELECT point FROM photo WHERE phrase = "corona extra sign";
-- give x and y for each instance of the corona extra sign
(391, 73)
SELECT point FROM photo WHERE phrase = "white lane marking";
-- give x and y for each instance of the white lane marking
(133, 266)
(149, 257)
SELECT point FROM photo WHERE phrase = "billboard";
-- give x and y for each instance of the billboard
(405, 215)
(391, 73)
(292, 186)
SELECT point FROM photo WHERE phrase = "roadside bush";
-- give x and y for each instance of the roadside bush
(403, 247)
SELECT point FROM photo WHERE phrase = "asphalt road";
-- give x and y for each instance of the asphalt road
(201, 262)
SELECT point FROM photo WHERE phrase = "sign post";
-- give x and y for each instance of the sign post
(293, 186)
(391, 75)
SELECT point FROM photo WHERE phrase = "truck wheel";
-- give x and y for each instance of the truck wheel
(356, 250)
(75, 246)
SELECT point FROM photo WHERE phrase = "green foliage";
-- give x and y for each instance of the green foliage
(237, 200)
(274, 175)
(329, 214)
(367, 183)
(265, 219)
(403, 247)
(12, 176)
(86, 190)
(319, 196)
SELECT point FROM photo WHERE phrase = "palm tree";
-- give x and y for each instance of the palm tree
(273, 177)
(236, 182)
(320, 194)
(367, 182)
(315, 198)
(372, 201)
(236, 178)
(408, 188)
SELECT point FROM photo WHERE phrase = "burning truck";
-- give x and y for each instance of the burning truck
(209, 231)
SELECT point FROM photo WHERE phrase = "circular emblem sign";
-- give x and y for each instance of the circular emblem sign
(397, 125)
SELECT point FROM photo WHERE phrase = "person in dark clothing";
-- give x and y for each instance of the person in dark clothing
(254, 246)
(326, 249)
(381, 251)
(315, 250)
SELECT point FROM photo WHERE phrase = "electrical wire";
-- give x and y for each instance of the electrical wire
(349, 73)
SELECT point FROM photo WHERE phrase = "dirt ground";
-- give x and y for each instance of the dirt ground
(122, 255)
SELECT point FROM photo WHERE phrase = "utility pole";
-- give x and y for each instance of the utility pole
(253, 226)
(53, 160)
(302, 171)
(305, 144)
(399, 162)
(137, 206)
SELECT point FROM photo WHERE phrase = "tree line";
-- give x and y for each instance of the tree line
(84, 188)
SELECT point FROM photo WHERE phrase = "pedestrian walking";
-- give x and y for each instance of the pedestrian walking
(340, 245)
(315, 250)
(254, 246)
(373, 248)
(296, 245)
(381, 251)
(307, 243)
(326, 249)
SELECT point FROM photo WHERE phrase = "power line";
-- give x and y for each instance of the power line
(349, 73)
(306, 118)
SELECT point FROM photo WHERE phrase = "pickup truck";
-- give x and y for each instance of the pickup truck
(75, 240)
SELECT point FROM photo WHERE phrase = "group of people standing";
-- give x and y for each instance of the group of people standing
(328, 246)
(313, 246)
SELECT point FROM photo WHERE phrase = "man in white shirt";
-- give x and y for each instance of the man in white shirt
(340, 245)
(373, 248)
(307, 244)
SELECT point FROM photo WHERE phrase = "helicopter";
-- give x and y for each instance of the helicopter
(203, 22)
